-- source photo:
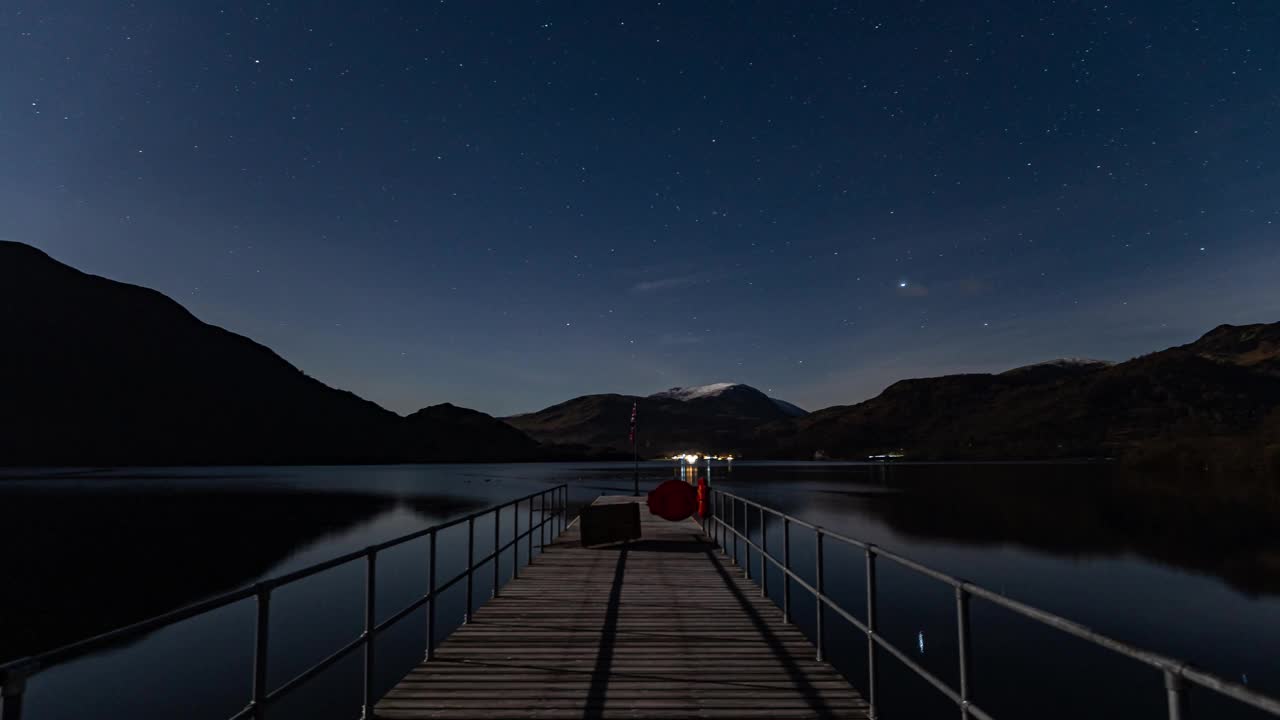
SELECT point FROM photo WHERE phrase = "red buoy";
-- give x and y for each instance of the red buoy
(673, 500)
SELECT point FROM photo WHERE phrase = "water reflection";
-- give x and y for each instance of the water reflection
(1183, 569)
(1069, 510)
(1187, 569)
(92, 562)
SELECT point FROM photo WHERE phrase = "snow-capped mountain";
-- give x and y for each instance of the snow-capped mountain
(710, 418)
(698, 392)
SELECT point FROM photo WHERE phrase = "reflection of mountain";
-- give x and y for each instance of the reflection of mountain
(1218, 395)
(103, 560)
(1089, 509)
(98, 372)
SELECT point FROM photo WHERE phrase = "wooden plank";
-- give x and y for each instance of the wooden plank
(660, 627)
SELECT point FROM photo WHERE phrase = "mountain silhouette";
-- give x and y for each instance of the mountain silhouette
(99, 372)
(719, 418)
(447, 430)
(1216, 395)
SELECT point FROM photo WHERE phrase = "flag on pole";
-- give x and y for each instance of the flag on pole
(634, 405)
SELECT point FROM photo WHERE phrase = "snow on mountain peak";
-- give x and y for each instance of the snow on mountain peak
(697, 391)
(715, 389)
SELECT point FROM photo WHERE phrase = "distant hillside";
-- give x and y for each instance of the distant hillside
(1056, 369)
(1220, 389)
(98, 372)
(101, 372)
(1253, 346)
(450, 431)
(708, 418)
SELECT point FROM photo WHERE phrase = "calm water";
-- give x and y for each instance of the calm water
(1179, 569)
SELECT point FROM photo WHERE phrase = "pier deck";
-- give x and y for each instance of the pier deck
(662, 627)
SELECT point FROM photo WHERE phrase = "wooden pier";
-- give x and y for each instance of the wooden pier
(662, 627)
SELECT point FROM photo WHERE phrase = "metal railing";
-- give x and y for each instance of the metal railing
(553, 503)
(1177, 673)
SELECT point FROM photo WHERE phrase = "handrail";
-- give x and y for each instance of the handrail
(553, 506)
(1175, 671)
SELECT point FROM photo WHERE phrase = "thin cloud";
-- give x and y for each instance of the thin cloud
(668, 283)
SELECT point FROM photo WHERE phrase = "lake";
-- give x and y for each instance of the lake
(1189, 568)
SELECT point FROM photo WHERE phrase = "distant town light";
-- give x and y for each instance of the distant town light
(693, 458)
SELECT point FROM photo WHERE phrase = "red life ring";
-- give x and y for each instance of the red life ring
(673, 500)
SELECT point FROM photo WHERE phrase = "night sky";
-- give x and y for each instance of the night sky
(504, 205)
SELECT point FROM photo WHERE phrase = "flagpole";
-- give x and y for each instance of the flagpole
(635, 453)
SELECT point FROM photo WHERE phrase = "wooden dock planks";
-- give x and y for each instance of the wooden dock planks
(657, 628)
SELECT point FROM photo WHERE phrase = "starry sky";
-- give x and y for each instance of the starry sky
(507, 204)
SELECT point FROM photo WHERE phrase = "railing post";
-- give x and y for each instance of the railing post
(718, 506)
(786, 575)
(515, 540)
(724, 527)
(733, 524)
(1173, 687)
(764, 556)
(497, 552)
(746, 540)
(965, 651)
(705, 519)
(431, 604)
(820, 585)
(471, 567)
(871, 630)
(370, 622)
(12, 688)
(542, 522)
(711, 527)
(530, 559)
(261, 636)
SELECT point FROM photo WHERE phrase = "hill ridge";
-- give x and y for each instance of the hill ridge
(99, 371)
